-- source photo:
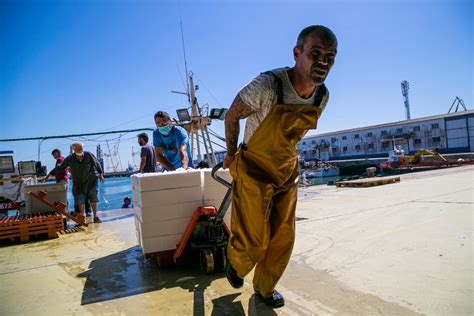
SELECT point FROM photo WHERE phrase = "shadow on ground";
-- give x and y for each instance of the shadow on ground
(127, 273)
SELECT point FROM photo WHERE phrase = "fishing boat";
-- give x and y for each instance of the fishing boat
(321, 169)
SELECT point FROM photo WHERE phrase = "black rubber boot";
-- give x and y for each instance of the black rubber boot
(275, 300)
(232, 277)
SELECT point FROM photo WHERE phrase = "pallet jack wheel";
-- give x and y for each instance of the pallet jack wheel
(207, 260)
(220, 259)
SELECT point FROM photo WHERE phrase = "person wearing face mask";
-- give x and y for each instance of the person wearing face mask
(171, 144)
(85, 170)
(147, 154)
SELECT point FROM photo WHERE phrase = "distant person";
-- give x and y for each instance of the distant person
(147, 154)
(126, 202)
(60, 176)
(171, 144)
(84, 168)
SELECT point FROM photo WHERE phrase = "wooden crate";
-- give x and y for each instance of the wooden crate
(24, 226)
(367, 182)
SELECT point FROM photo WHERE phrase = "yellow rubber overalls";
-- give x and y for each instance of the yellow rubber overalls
(265, 187)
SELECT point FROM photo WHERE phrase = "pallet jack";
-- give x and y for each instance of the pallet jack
(207, 233)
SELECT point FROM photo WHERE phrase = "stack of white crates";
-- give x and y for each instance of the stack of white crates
(163, 205)
(165, 202)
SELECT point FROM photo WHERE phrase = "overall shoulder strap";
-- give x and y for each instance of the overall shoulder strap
(279, 85)
(318, 99)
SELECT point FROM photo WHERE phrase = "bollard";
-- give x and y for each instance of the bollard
(371, 172)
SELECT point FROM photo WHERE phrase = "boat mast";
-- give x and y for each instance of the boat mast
(197, 123)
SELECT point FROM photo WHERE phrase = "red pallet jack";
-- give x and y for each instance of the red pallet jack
(207, 232)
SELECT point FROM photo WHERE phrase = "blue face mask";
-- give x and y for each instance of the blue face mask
(164, 130)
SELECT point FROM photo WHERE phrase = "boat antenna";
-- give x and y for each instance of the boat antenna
(184, 50)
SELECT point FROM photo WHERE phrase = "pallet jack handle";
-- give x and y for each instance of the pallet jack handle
(219, 179)
(228, 195)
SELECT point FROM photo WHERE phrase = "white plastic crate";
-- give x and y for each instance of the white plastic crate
(158, 213)
(158, 244)
(144, 182)
(161, 198)
(163, 228)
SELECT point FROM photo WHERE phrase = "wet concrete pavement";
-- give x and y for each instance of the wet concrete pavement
(402, 248)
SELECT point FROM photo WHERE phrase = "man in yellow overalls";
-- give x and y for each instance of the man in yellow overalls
(280, 107)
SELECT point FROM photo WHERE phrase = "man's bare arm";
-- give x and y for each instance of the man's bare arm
(237, 111)
(162, 160)
(183, 154)
(142, 163)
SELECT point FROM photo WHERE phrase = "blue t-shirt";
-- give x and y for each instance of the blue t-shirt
(170, 145)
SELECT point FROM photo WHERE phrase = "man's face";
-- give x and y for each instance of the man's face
(164, 126)
(161, 122)
(78, 150)
(316, 59)
(141, 142)
(56, 155)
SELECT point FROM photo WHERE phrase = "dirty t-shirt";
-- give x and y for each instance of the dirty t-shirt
(260, 95)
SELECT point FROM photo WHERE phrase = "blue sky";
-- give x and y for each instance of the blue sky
(71, 67)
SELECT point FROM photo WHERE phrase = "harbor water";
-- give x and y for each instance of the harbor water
(111, 193)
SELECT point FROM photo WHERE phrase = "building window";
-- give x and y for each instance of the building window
(385, 145)
(399, 130)
(356, 136)
(344, 137)
(417, 142)
(334, 150)
(304, 143)
(357, 147)
(436, 140)
(384, 132)
(371, 146)
(344, 149)
(333, 140)
(369, 134)
(416, 128)
(435, 126)
(313, 142)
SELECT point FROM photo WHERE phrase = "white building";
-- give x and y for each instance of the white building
(448, 133)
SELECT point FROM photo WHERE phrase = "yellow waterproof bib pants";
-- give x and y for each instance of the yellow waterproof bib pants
(265, 187)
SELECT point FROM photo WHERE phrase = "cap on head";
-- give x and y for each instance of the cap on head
(163, 115)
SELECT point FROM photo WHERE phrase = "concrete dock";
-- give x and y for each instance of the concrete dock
(399, 249)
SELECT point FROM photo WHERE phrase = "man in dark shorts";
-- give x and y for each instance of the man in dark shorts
(147, 154)
(84, 168)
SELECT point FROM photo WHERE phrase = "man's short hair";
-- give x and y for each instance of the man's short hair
(127, 199)
(163, 115)
(143, 136)
(56, 151)
(325, 32)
